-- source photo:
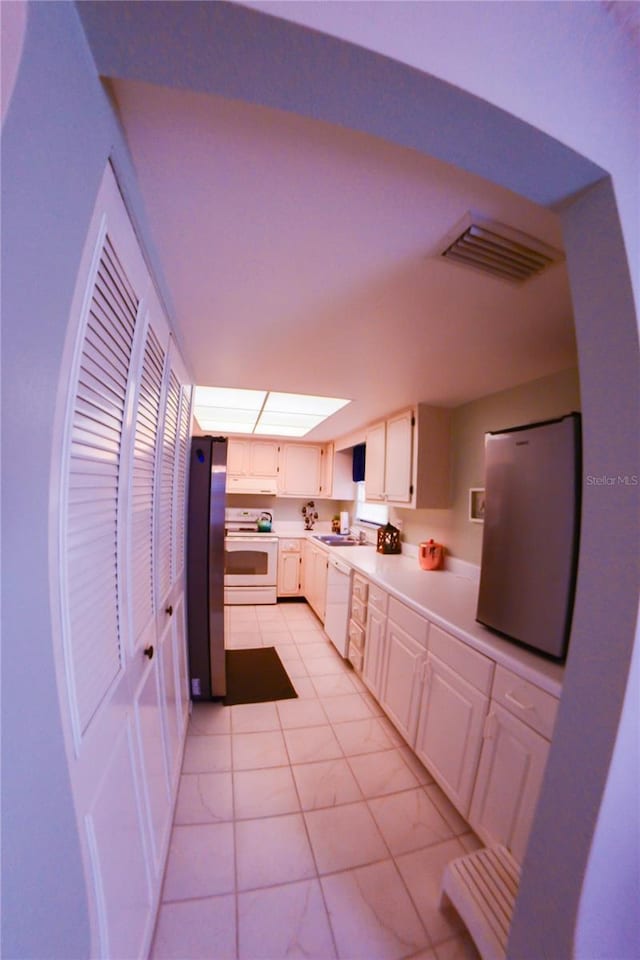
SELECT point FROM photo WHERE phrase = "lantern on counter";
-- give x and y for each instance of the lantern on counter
(388, 539)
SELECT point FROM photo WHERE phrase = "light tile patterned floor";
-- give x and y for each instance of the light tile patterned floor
(306, 828)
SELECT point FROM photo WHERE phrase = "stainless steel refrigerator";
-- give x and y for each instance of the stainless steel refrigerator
(205, 567)
(531, 533)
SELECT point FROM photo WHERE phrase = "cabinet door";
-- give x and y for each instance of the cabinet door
(238, 457)
(401, 680)
(508, 784)
(374, 649)
(307, 569)
(399, 458)
(300, 470)
(321, 562)
(374, 482)
(263, 459)
(327, 475)
(450, 730)
(289, 574)
(315, 577)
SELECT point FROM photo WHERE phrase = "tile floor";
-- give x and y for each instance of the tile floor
(306, 828)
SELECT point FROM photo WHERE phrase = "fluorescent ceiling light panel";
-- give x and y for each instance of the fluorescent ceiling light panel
(230, 410)
(227, 409)
(230, 397)
(303, 403)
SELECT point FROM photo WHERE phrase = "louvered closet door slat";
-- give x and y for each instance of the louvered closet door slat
(108, 367)
(108, 300)
(165, 526)
(107, 337)
(103, 401)
(113, 270)
(92, 483)
(92, 380)
(147, 424)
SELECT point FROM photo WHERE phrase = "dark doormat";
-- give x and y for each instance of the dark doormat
(256, 676)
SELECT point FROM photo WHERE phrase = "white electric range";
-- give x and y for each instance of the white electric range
(250, 558)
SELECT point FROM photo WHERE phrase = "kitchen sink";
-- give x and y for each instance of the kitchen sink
(335, 540)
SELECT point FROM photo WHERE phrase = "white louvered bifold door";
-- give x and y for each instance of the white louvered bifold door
(116, 488)
(165, 527)
(170, 549)
(146, 431)
(180, 482)
(93, 487)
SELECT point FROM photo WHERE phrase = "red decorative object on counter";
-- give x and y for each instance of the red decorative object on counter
(430, 555)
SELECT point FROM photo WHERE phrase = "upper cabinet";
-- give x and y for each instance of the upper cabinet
(279, 468)
(252, 466)
(408, 458)
(302, 471)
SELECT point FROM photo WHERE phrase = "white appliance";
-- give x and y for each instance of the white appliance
(250, 559)
(336, 619)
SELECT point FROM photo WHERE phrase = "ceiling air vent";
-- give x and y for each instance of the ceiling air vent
(499, 250)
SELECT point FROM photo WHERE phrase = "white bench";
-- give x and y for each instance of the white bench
(482, 886)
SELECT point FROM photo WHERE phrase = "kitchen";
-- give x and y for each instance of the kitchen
(308, 348)
(281, 521)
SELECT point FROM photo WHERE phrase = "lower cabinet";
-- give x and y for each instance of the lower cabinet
(316, 562)
(516, 743)
(290, 568)
(508, 782)
(405, 654)
(375, 639)
(482, 731)
(449, 739)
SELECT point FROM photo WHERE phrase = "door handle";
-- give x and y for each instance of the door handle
(148, 652)
(169, 610)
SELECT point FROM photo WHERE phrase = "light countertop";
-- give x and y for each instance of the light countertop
(447, 598)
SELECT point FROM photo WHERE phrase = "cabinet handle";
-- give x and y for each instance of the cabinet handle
(510, 698)
(169, 610)
(148, 652)
(489, 731)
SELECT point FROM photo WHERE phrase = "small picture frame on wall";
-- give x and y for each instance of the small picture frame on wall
(476, 504)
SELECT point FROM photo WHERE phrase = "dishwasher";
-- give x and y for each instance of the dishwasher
(336, 620)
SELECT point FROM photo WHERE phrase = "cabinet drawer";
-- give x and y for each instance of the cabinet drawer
(411, 622)
(356, 658)
(356, 635)
(360, 588)
(524, 700)
(358, 611)
(290, 546)
(378, 598)
(474, 667)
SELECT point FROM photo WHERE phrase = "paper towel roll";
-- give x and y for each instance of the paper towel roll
(344, 521)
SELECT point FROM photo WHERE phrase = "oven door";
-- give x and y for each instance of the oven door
(250, 561)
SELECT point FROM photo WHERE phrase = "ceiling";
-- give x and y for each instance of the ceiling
(302, 256)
